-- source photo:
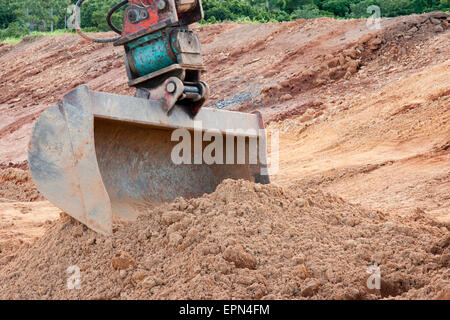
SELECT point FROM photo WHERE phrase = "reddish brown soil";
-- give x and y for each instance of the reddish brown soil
(243, 241)
(279, 68)
(364, 122)
(17, 185)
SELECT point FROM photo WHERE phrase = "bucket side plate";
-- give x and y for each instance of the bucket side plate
(63, 162)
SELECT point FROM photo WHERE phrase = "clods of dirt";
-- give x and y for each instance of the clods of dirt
(244, 241)
(17, 185)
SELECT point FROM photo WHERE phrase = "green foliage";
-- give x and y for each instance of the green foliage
(6, 14)
(15, 29)
(40, 15)
(393, 8)
(283, 10)
(93, 14)
(232, 10)
(19, 17)
(338, 7)
(310, 11)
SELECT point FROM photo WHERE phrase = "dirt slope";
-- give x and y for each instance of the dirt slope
(364, 170)
(392, 144)
(279, 68)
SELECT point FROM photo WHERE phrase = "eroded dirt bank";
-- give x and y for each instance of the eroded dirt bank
(281, 69)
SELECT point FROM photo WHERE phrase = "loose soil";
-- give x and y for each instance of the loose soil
(363, 180)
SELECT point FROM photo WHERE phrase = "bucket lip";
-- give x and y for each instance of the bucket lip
(150, 112)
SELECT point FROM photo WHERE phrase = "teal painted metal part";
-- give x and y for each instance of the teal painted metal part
(151, 53)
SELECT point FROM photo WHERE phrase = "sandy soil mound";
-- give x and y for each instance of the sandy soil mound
(23, 222)
(16, 184)
(243, 241)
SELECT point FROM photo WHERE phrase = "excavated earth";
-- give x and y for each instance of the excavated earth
(243, 241)
(362, 182)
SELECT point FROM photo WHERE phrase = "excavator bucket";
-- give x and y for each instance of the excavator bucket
(102, 157)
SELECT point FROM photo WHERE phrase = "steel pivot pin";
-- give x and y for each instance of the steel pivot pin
(171, 87)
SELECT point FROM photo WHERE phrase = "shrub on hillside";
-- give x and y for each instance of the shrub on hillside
(15, 30)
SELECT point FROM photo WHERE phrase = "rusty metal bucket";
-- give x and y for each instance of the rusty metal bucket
(101, 157)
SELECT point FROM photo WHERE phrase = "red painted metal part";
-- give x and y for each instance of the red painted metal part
(155, 17)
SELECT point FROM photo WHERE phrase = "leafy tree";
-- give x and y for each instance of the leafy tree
(310, 11)
(93, 14)
(15, 29)
(6, 14)
(338, 7)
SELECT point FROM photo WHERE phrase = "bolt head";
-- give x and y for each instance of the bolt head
(161, 4)
(132, 15)
(171, 87)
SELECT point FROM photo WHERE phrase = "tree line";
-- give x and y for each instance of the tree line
(19, 17)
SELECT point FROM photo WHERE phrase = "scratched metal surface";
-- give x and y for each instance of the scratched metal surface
(146, 112)
(98, 156)
(63, 162)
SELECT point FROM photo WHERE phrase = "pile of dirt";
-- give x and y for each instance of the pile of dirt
(4, 47)
(244, 241)
(17, 184)
(19, 165)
